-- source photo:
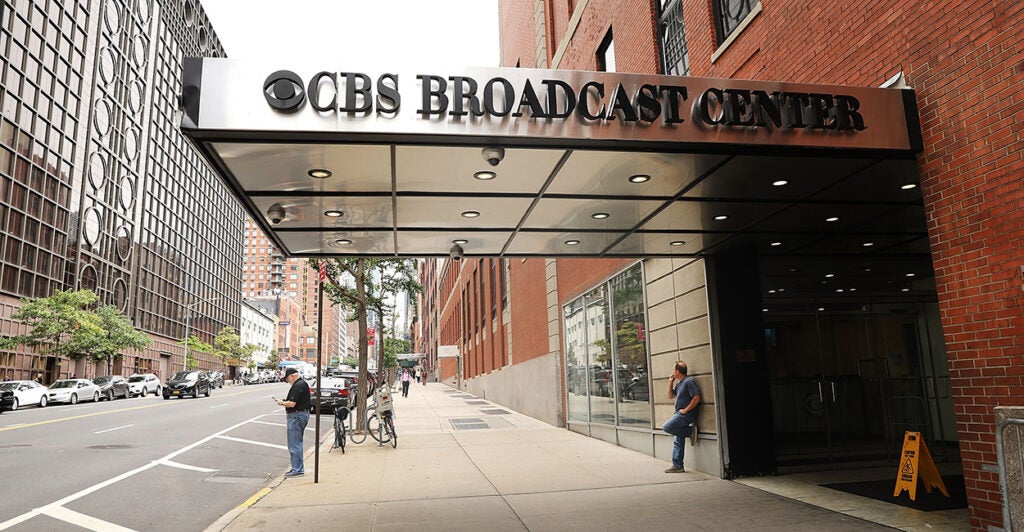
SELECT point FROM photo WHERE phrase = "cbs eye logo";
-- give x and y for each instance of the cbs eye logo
(283, 91)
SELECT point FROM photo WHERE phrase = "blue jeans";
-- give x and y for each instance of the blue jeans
(680, 426)
(297, 422)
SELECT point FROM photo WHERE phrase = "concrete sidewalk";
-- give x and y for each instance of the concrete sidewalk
(516, 474)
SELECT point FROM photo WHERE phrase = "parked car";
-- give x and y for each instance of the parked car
(251, 378)
(216, 379)
(6, 399)
(333, 394)
(184, 383)
(25, 393)
(143, 384)
(112, 386)
(72, 391)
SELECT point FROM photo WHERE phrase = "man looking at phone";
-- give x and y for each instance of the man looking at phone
(296, 405)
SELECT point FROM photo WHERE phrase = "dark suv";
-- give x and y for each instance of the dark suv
(112, 386)
(182, 383)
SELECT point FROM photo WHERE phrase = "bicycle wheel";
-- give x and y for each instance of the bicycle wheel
(389, 425)
(377, 429)
(357, 435)
(339, 431)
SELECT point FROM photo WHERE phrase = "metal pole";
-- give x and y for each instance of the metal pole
(188, 317)
(319, 369)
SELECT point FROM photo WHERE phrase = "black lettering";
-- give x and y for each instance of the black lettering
(675, 94)
(354, 90)
(647, 103)
(530, 100)
(737, 108)
(430, 93)
(464, 89)
(314, 91)
(792, 104)
(567, 95)
(508, 99)
(621, 105)
(766, 107)
(388, 97)
(584, 100)
(847, 114)
(705, 109)
(822, 112)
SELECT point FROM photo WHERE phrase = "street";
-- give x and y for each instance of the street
(141, 463)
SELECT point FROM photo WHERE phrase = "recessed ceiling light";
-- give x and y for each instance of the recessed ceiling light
(832, 219)
(853, 289)
(573, 242)
(908, 186)
(764, 310)
(485, 175)
(771, 291)
(868, 244)
(599, 215)
(780, 183)
(343, 242)
(319, 173)
(777, 244)
(821, 309)
(677, 243)
(639, 178)
(905, 290)
(829, 275)
(721, 217)
(782, 290)
(910, 275)
(470, 214)
(792, 270)
(839, 290)
(460, 241)
(334, 214)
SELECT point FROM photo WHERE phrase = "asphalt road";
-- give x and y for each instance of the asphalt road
(141, 463)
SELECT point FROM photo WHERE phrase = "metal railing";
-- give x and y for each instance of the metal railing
(1011, 466)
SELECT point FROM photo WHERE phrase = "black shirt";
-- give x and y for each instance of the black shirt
(299, 393)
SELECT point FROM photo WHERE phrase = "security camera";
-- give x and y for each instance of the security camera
(276, 213)
(493, 156)
(455, 252)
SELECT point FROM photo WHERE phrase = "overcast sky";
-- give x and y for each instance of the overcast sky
(397, 35)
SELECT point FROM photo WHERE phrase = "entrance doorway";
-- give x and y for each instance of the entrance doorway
(849, 376)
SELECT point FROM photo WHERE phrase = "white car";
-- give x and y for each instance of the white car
(142, 384)
(73, 390)
(26, 393)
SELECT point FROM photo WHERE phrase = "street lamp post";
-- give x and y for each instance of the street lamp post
(188, 320)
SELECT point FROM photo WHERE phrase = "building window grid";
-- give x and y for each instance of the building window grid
(675, 55)
(728, 16)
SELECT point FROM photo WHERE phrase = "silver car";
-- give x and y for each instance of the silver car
(73, 390)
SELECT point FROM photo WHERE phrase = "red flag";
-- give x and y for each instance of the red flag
(323, 271)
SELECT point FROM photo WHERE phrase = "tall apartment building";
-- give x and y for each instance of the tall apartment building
(815, 343)
(98, 188)
(288, 288)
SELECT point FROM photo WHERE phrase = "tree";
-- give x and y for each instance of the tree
(60, 323)
(392, 348)
(227, 345)
(273, 360)
(120, 335)
(374, 282)
(195, 345)
(350, 361)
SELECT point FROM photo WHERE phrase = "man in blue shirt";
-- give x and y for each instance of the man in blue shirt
(683, 423)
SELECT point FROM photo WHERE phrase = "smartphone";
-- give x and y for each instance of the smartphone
(274, 398)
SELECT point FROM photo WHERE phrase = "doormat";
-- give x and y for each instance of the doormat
(881, 490)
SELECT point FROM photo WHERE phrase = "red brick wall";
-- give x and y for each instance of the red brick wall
(966, 62)
(517, 33)
(578, 276)
(529, 309)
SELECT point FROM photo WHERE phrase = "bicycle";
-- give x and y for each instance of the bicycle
(381, 424)
(340, 414)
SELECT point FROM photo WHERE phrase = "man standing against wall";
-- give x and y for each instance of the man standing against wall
(297, 407)
(683, 423)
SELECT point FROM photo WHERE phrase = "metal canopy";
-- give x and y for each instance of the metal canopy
(407, 184)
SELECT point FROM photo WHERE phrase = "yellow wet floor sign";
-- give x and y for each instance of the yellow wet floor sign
(916, 461)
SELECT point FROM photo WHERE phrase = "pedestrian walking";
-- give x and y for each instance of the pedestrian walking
(406, 378)
(296, 405)
(683, 423)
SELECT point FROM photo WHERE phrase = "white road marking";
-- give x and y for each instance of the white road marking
(180, 465)
(218, 406)
(56, 505)
(240, 440)
(269, 423)
(115, 428)
(15, 425)
(84, 521)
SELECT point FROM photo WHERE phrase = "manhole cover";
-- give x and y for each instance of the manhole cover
(109, 447)
(477, 403)
(494, 411)
(238, 477)
(466, 420)
(469, 423)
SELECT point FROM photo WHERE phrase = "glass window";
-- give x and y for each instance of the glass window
(606, 374)
(672, 28)
(606, 54)
(729, 14)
